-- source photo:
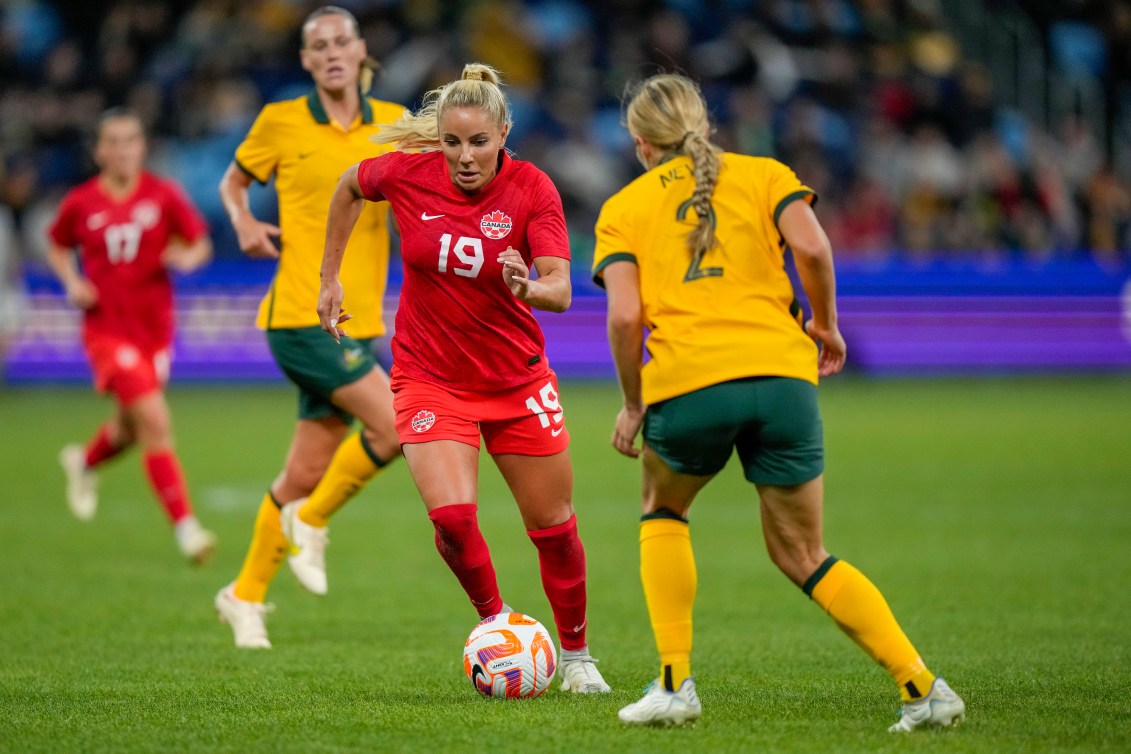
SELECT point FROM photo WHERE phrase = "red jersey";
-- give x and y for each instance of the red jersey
(120, 245)
(458, 324)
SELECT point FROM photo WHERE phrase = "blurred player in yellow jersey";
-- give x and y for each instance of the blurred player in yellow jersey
(306, 143)
(693, 252)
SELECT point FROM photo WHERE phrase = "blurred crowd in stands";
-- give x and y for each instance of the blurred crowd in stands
(874, 103)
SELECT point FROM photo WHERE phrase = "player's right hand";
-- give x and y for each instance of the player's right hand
(833, 349)
(255, 238)
(629, 421)
(330, 311)
(82, 294)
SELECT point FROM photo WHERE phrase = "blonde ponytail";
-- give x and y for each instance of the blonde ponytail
(369, 69)
(479, 86)
(668, 112)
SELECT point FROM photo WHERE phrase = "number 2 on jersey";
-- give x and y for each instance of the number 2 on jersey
(468, 252)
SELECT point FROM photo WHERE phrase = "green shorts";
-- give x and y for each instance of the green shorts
(318, 366)
(773, 422)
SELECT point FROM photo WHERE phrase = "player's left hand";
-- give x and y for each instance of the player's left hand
(627, 427)
(515, 273)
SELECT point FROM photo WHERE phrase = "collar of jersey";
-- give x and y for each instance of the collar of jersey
(319, 113)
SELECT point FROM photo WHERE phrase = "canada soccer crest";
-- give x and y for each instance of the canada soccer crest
(146, 214)
(423, 420)
(495, 224)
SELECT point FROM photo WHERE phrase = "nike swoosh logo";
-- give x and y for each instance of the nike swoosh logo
(304, 155)
(426, 216)
(556, 432)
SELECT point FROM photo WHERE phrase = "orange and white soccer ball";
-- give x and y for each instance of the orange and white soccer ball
(510, 656)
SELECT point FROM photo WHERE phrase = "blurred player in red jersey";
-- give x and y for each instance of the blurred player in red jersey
(130, 228)
(469, 357)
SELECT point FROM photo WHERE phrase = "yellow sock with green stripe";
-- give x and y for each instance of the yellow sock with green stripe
(861, 611)
(354, 463)
(667, 570)
(264, 555)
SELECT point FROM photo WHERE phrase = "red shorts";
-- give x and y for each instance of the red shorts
(126, 369)
(526, 420)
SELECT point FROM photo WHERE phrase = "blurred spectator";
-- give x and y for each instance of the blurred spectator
(874, 102)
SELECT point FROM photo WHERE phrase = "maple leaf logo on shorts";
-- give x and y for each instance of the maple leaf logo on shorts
(495, 225)
(423, 421)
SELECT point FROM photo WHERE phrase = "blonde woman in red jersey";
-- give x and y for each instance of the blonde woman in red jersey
(469, 357)
(130, 227)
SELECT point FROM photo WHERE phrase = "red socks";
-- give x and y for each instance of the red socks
(561, 558)
(165, 476)
(463, 548)
(100, 449)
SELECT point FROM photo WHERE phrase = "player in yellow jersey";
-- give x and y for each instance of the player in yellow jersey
(693, 252)
(306, 143)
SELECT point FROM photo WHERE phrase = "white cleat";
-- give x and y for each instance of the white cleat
(82, 483)
(245, 618)
(306, 551)
(659, 706)
(580, 674)
(195, 542)
(941, 708)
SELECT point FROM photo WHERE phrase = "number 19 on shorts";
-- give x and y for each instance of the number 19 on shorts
(545, 404)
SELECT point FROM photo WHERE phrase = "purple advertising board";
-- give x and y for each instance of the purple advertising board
(897, 320)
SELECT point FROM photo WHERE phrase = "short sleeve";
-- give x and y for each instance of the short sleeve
(62, 229)
(184, 219)
(370, 176)
(783, 186)
(258, 154)
(546, 227)
(612, 241)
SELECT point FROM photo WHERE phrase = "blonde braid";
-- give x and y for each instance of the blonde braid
(705, 170)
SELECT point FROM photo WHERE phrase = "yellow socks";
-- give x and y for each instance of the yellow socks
(264, 555)
(667, 570)
(352, 466)
(861, 611)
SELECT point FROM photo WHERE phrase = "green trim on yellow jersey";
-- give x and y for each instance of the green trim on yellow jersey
(318, 112)
(249, 174)
(791, 198)
(619, 256)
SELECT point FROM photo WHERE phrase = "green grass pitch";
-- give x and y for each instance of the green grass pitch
(994, 514)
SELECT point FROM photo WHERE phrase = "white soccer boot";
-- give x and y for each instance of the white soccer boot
(82, 483)
(941, 708)
(659, 706)
(579, 673)
(245, 618)
(195, 542)
(306, 553)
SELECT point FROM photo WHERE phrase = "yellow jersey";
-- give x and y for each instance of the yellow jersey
(307, 152)
(734, 314)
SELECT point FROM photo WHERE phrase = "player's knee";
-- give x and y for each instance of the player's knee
(382, 442)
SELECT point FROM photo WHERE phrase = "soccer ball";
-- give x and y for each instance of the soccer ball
(509, 656)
